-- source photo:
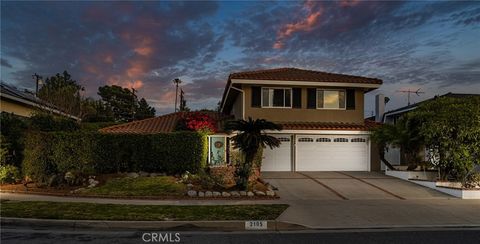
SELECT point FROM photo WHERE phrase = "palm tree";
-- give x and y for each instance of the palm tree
(250, 138)
(404, 134)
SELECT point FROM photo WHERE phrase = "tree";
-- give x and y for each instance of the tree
(96, 111)
(63, 92)
(405, 135)
(451, 128)
(249, 139)
(183, 102)
(144, 110)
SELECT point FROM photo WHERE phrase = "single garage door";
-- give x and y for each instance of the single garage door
(332, 153)
(278, 159)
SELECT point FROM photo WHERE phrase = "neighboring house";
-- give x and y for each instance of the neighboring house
(24, 104)
(393, 154)
(321, 114)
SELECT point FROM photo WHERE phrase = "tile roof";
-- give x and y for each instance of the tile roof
(294, 74)
(368, 125)
(161, 124)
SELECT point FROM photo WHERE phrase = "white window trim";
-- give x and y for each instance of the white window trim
(344, 100)
(270, 99)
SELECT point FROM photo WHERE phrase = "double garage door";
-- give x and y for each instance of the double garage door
(318, 153)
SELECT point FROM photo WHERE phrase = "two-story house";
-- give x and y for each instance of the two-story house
(322, 115)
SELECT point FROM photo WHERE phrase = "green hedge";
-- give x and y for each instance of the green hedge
(48, 153)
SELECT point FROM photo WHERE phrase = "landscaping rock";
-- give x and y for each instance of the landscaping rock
(192, 193)
(190, 186)
(216, 194)
(250, 194)
(243, 193)
(143, 174)
(225, 194)
(234, 193)
(260, 193)
(208, 194)
(270, 193)
(201, 194)
(132, 174)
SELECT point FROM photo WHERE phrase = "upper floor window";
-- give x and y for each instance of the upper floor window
(330, 99)
(277, 97)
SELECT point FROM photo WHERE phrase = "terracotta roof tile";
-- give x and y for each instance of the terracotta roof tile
(368, 125)
(161, 124)
(294, 74)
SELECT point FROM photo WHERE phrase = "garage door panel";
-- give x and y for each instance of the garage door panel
(332, 153)
(278, 159)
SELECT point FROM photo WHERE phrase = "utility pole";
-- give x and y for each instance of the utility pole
(418, 92)
(182, 101)
(38, 79)
(176, 81)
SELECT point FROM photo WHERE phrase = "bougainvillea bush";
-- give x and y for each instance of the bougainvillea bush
(197, 121)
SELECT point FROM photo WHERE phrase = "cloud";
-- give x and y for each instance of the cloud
(5, 63)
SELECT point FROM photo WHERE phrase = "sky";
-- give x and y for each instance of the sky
(427, 45)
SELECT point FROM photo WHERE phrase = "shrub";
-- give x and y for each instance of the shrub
(93, 152)
(47, 122)
(197, 121)
(13, 128)
(9, 174)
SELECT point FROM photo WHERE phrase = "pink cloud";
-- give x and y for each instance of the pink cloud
(306, 24)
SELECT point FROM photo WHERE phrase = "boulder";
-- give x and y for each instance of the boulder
(260, 193)
(250, 194)
(225, 194)
(234, 193)
(201, 194)
(189, 186)
(216, 194)
(270, 193)
(243, 193)
(192, 193)
(208, 194)
(132, 175)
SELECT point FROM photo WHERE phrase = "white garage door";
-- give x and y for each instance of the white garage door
(278, 159)
(332, 153)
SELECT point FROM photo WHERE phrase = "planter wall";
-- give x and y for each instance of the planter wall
(422, 179)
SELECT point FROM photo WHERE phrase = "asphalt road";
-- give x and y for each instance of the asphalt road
(391, 236)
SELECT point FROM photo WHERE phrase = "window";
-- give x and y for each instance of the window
(323, 140)
(340, 140)
(277, 97)
(358, 140)
(284, 139)
(305, 139)
(330, 99)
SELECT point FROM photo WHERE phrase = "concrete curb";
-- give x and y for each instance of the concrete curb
(235, 225)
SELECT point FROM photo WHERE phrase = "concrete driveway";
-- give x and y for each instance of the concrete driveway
(346, 186)
(366, 200)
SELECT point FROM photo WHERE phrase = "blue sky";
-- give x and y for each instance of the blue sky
(409, 45)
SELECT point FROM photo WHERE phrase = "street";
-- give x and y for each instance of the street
(438, 235)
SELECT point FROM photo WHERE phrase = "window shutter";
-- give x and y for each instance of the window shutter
(297, 97)
(312, 98)
(256, 96)
(351, 99)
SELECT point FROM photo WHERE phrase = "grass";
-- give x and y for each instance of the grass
(94, 211)
(140, 186)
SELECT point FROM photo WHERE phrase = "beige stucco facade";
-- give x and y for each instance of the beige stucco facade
(300, 114)
(19, 109)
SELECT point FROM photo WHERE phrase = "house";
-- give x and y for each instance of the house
(321, 114)
(24, 103)
(393, 154)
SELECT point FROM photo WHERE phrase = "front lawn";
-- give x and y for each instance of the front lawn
(93, 211)
(140, 186)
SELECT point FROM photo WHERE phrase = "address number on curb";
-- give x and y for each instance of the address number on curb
(255, 225)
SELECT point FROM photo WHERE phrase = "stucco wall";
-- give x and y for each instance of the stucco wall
(18, 109)
(303, 114)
